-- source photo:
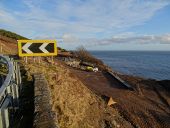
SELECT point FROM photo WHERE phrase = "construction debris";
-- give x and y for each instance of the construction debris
(86, 66)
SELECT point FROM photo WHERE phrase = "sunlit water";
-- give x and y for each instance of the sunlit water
(146, 64)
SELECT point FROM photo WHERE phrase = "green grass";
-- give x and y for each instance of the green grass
(11, 35)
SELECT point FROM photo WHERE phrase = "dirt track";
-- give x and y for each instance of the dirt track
(145, 107)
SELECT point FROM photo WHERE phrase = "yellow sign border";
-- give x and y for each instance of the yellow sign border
(37, 41)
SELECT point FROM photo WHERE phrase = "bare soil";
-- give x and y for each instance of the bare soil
(9, 46)
(148, 106)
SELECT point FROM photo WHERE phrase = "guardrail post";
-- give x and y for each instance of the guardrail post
(4, 118)
(19, 79)
(5, 113)
(15, 95)
(1, 121)
(9, 92)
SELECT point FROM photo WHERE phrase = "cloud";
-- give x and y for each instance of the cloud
(142, 39)
(165, 39)
(77, 17)
(118, 39)
(6, 17)
(68, 38)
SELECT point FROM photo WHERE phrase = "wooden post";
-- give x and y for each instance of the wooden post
(25, 59)
(39, 59)
(34, 59)
(52, 60)
(1, 48)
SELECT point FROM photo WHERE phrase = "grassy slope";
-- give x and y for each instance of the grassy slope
(11, 35)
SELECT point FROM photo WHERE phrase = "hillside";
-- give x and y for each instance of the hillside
(8, 42)
(11, 35)
(80, 98)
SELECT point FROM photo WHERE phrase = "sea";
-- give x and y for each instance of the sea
(147, 64)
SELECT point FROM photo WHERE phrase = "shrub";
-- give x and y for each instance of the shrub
(82, 54)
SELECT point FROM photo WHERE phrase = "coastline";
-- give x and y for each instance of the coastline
(149, 99)
(147, 105)
(80, 98)
(145, 64)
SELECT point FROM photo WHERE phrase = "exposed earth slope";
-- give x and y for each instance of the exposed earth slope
(79, 98)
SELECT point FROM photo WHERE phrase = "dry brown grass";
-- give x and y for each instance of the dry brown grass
(75, 105)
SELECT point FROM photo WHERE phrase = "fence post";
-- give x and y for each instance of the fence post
(1, 48)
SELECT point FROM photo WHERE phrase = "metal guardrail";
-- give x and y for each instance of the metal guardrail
(9, 92)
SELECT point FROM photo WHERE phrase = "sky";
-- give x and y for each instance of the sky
(94, 24)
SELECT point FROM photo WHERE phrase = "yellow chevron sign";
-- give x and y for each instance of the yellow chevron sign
(37, 47)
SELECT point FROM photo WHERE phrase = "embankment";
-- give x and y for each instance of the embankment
(75, 105)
